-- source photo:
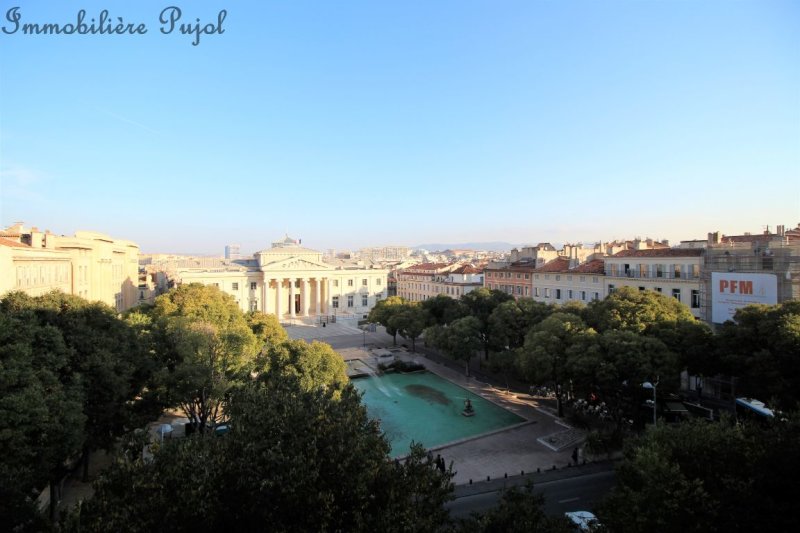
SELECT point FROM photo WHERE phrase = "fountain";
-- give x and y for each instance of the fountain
(468, 410)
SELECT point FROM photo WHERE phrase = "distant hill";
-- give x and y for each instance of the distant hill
(495, 246)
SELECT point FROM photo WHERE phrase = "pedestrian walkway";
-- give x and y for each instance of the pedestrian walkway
(311, 332)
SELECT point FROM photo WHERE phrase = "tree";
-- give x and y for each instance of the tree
(629, 309)
(410, 321)
(520, 510)
(708, 477)
(267, 328)
(383, 312)
(511, 320)
(315, 365)
(481, 303)
(762, 348)
(41, 415)
(207, 346)
(459, 340)
(544, 357)
(295, 460)
(443, 309)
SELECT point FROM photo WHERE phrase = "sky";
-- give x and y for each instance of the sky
(351, 124)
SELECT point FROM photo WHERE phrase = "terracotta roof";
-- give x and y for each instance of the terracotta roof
(12, 244)
(661, 252)
(559, 264)
(426, 266)
(596, 266)
(466, 269)
(763, 237)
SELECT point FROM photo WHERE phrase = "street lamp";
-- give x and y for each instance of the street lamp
(654, 386)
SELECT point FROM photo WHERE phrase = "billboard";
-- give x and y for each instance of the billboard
(732, 290)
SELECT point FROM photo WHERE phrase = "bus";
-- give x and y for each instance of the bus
(751, 409)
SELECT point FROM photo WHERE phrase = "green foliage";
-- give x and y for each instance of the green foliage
(207, 347)
(762, 348)
(481, 303)
(708, 477)
(511, 320)
(458, 340)
(267, 328)
(628, 309)
(313, 366)
(385, 310)
(443, 309)
(410, 321)
(295, 460)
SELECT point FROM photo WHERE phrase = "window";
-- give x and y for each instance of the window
(547, 293)
(364, 282)
(676, 293)
(583, 278)
(677, 272)
(536, 291)
(519, 289)
(519, 276)
(377, 298)
(527, 291)
(488, 274)
(583, 295)
(253, 285)
(216, 285)
(364, 300)
(508, 274)
(350, 300)
(695, 299)
(558, 278)
(610, 288)
(527, 276)
(349, 282)
(658, 289)
(335, 302)
(235, 286)
(696, 271)
(597, 296)
(570, 294)
(641, 289)
(377, 281)
(536, 276)
(336, 283)
(660, 271)
(594, 279)
(254, 305)
(558, 294)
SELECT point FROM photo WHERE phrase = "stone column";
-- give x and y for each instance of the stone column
(319, 296)
(279, 299)
(291, 297)
(306, 290)
(328, 296)
(264, 290)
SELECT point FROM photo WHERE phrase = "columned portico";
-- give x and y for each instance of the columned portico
(305, 290)
(318, 285)
(292, 282)
(279, 299)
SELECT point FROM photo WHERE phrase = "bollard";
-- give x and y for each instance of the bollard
(538, 470)
(488, 478)
(522, 473)
(506, 475)
(470, 481)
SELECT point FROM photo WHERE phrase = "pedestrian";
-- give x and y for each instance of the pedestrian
(575, 456)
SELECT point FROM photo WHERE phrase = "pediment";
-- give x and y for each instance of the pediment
(295, 263)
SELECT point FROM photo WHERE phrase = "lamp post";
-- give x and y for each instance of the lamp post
(654, 386)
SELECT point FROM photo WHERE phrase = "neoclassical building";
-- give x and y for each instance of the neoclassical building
(291, 282)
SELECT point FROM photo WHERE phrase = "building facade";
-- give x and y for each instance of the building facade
(290, 281)
(421, 282)
(91, 265)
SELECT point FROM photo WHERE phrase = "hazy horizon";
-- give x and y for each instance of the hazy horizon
(356, 124)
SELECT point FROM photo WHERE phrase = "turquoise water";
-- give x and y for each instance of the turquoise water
(427, 409)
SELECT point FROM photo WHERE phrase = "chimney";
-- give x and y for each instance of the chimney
(36, 238)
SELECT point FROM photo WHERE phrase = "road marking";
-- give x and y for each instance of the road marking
(569, 500)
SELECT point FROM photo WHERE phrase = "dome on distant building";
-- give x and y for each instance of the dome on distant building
(288, 241)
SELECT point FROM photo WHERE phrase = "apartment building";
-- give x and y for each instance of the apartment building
(418, 283)
(89, 264)
(557, 283)
(674, 272)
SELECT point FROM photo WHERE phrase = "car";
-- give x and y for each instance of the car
(583, 520)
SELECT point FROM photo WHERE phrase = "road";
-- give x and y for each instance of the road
(579, 493)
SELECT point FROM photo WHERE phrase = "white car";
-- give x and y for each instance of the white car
(583, 520)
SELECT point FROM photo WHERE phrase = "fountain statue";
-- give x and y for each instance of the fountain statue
(468, 410)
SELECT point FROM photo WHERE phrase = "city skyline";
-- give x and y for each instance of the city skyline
(356, 125)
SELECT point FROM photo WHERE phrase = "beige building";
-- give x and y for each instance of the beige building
(291, 282)
(557, 283)
(674, 272)
(88, 264)
(428, 280)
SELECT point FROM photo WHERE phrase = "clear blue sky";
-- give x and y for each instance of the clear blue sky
(351, 124)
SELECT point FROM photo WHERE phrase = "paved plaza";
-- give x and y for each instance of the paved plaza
(540, 443)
